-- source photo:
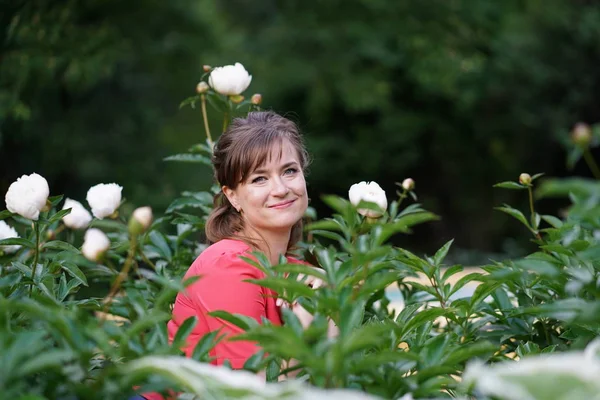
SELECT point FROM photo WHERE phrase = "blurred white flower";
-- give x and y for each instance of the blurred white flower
(140, 221)
(95, 244)
(202, 87)
(371, 192)
(567, 375)
(8, 232)
(408, 184)
(230, 80)
(104, 199)
(27, 196)
(524, 179)
(79, 217)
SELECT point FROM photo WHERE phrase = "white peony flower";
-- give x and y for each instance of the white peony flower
(27, 196)
(79, 217)
(230, 80)
(95, 244)
(8, 232)
(104, 199)
(371, 192)
(408, 184)
(140, 221)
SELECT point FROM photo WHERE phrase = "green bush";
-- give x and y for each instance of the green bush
(58, 341)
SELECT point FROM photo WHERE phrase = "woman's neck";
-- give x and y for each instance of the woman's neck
(273, 244)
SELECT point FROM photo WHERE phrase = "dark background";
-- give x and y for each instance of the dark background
(458, 95)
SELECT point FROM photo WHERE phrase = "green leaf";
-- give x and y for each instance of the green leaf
(283, 285)
(159, 240)
(326, 224)
(470, 351)
(75, 272)
(451, 271)
(301, 269)
(191, 101)
(290, 319)
(351, 317)
(510, 185)
(205, 344)
(342, 206)
(441, 253)
(421, 318)
(241, 321)
(59, 215)
(463, 281)
(514, 213)
(189, 158)
(183, 202)
(403, 223)
(18, 242)
(184, 331)
(54, 200)
(59, 245)
(5, 214)
(24, 269)
(48, 359)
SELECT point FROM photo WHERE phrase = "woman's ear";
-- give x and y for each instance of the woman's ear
(232, 197)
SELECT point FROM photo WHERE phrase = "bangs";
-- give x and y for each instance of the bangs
(248, 155)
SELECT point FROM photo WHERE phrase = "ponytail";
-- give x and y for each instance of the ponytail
(224, 221)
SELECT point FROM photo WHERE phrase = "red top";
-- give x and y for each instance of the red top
(221, 287)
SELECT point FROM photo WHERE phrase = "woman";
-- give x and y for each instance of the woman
(259, 163)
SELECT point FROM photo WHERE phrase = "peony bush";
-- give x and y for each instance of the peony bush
(528, 331)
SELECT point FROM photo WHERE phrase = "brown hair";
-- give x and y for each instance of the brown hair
(243, 147)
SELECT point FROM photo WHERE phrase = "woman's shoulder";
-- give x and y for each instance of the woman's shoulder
(223, 250)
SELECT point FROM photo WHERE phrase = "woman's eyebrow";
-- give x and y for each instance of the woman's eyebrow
(284, 166)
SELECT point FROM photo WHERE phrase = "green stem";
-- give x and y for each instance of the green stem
(146, 260)
(205, 118)
(120, 278)
(591, 163)
(532, 211)
(225, 120)
(36, 225)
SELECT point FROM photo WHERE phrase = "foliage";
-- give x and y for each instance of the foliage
(59, 342)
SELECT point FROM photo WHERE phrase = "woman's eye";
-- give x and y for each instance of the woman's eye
(258, 179)
(290, 171)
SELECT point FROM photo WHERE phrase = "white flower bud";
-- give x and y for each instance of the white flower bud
(79, 217)
(202, 87)
(95, 244)
(582, 134)
(104, 199)
(140, 221)
(371, 192)
(408, 184)
(230, 80)
(524, 179)
(27, 196)
(256, 99)
(8, 232)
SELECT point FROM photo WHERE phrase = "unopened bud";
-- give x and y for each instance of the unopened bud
(202, 87)
(95, 244)
(256, 99)
(140, 220)
(408, 184)
(582, 134)
(206, 68)
(50, 234)
(525, 179)
(236, 99)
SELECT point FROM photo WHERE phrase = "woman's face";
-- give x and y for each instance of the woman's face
(273, 197)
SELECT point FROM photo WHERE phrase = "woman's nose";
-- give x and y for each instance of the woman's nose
(279, 187)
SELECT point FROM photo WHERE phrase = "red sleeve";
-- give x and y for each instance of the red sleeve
(221, 287)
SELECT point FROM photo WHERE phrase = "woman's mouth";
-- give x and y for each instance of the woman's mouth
(283, 204)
